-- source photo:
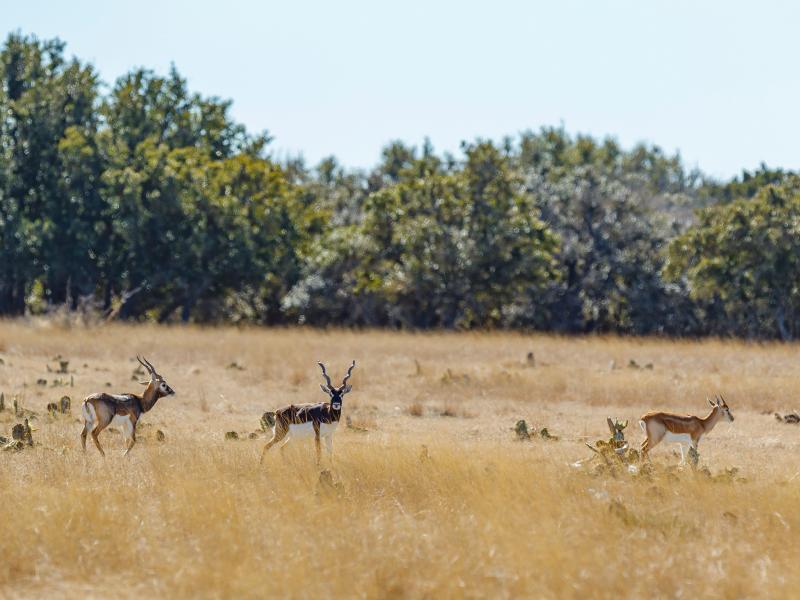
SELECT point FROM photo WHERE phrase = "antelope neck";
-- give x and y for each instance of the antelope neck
(711, 420)
(150, 396)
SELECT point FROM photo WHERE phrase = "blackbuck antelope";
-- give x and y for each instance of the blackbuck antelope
(682, 429)
(304, 420)
(101, 410)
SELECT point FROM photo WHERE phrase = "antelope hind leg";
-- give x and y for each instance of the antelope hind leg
(277, 436)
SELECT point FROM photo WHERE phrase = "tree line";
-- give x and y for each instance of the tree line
(149, 202)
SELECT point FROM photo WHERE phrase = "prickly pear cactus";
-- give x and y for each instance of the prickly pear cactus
(615, 448)
(694, 456)
(267, 420)
(521, 429)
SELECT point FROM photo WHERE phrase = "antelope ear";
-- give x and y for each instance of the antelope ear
(325, 389)
(610, 424)
(144, 382)
(347, 389)
(711, 402)
(624, 424)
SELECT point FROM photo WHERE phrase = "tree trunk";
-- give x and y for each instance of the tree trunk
(780, 320)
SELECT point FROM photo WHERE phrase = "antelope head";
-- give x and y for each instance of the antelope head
(334, 392)
(156, 380)
(719, 403)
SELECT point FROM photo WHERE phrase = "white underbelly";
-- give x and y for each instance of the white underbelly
(124, 422)
(677, 438)
(300, 430)
(326, 429)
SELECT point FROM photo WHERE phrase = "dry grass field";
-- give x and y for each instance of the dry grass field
(432, 496)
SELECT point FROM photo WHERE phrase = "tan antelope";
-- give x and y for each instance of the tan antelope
(101, 410)
(681, 429)
(305, 420)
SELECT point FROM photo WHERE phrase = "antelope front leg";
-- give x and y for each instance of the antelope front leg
(130, 433)
(131, 442)
(317, 443)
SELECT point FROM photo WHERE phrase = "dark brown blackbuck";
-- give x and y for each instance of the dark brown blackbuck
(306, 420)
(101, 410)
(682, 429)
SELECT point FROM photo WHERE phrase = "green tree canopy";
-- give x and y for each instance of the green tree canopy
(149, 201)
(742, 261)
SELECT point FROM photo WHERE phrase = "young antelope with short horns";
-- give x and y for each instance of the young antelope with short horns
(101, 410)
(682, 429)
(305, 420)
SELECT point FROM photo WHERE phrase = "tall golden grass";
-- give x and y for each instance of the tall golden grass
(421, 505)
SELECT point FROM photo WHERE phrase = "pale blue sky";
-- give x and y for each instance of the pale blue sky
(718, 81)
